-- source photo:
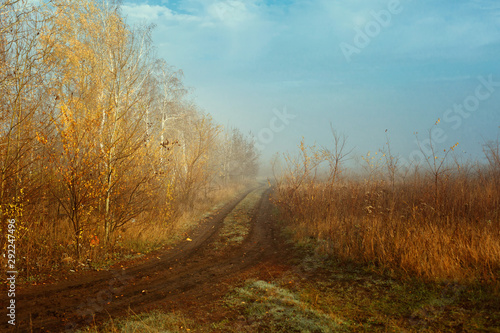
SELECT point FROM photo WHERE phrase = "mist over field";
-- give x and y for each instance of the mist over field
(364, 66)
(250, 165)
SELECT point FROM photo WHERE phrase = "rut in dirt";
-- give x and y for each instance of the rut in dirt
(191, 269)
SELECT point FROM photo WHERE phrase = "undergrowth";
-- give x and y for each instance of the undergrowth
(440, 222)
(133, 241)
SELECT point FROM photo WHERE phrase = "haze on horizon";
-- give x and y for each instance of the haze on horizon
(286, 69)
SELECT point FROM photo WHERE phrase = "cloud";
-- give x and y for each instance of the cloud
(447, 78)
(246, 57)
(233, 32)
(277, 35)
(153, 13)
(207, 13)
(231, 12)
(452, 30)
(145, 12)
(487, 5)
(436, 36)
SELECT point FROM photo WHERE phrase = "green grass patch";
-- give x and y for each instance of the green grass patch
(268, 307)
(150, 322)
(376, 300)
(236, 225)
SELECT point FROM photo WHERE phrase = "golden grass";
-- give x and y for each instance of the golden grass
(154, 232)
(449, 234)
(46, 247)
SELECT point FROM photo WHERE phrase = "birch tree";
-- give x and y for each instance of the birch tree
(23, 70)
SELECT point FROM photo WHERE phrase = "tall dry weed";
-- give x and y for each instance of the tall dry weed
(441, 229)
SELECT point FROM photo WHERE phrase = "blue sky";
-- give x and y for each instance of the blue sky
(364, 66)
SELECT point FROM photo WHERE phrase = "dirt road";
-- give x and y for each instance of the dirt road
(192, 270)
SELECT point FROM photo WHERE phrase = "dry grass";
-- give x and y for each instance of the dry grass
(44, 249)
(147, 236)
(451, 232)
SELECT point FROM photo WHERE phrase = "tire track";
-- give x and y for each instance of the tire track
(190, 269)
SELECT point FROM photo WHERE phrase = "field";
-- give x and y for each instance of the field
(438, 221)
(131, 202)
(246, 268)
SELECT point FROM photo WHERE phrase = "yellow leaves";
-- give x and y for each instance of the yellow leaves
(41, 138)
(67, 115)
(94, 241)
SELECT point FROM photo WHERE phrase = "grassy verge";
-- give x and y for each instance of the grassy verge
(367, 223)
(131, 243)
(439, 220)
(374, 300)
(237, 224)
(150, 322)
(317, 292)
(320, 294)
(269, 307)
(139, 240)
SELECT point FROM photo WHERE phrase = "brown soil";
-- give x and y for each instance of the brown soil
(185, 277)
